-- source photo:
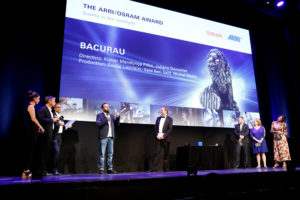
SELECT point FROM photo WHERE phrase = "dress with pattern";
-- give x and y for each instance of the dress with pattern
(281, 147)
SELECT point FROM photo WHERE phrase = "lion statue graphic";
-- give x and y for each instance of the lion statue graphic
(219, 94)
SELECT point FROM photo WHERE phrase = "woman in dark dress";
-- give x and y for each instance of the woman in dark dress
(258, 134)
(32, 129)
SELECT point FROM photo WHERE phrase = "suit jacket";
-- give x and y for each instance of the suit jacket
(46, 119)
(167, 128)
(244, 132)
(103, 126)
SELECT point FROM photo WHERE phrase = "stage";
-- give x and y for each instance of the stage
(232, 183)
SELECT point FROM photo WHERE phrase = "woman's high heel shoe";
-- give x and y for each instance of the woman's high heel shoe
(26, 174)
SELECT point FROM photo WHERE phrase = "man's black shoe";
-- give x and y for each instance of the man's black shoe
(47, 174)
(37, 176)
(56, 173)
(110, 171)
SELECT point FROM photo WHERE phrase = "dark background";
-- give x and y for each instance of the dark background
(31, 50)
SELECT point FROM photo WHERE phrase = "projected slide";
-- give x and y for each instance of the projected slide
(138, 58)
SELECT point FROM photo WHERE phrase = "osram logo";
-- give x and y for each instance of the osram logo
(214, 34)
(234, 38)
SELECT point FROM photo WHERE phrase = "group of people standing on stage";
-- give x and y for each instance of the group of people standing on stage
(258, 136)
(44, 130)
(106, 123)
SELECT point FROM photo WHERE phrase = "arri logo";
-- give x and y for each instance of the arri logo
(234, 38)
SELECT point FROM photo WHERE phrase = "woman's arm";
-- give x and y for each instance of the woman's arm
(252, 135)
(262, 139)
(272, 128)
(33, 117)
(284, 129)
(256, 139)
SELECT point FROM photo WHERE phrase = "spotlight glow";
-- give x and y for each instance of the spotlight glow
(280, 3)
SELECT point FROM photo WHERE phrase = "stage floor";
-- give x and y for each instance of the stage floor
(71, 178)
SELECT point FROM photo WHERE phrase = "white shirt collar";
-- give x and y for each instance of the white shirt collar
(50, 110)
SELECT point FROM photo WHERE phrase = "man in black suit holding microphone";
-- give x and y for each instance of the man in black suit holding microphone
(106, 123)
(57, 138)
(162, 129)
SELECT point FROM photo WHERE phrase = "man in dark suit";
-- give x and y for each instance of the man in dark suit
(242, 140)
(162, 129)
(106, 123)
(47, 119)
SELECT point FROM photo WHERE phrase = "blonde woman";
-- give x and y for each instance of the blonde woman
(258, 134)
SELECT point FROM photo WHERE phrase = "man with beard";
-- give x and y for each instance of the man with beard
(106, 133)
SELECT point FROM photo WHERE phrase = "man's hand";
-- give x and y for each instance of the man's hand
(55, 119)
(241, 137)
(61, 123)
(160, 136)
(70, 126)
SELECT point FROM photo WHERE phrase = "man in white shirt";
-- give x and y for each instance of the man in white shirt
(57, 137)
(242, 140)
(163, 127)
